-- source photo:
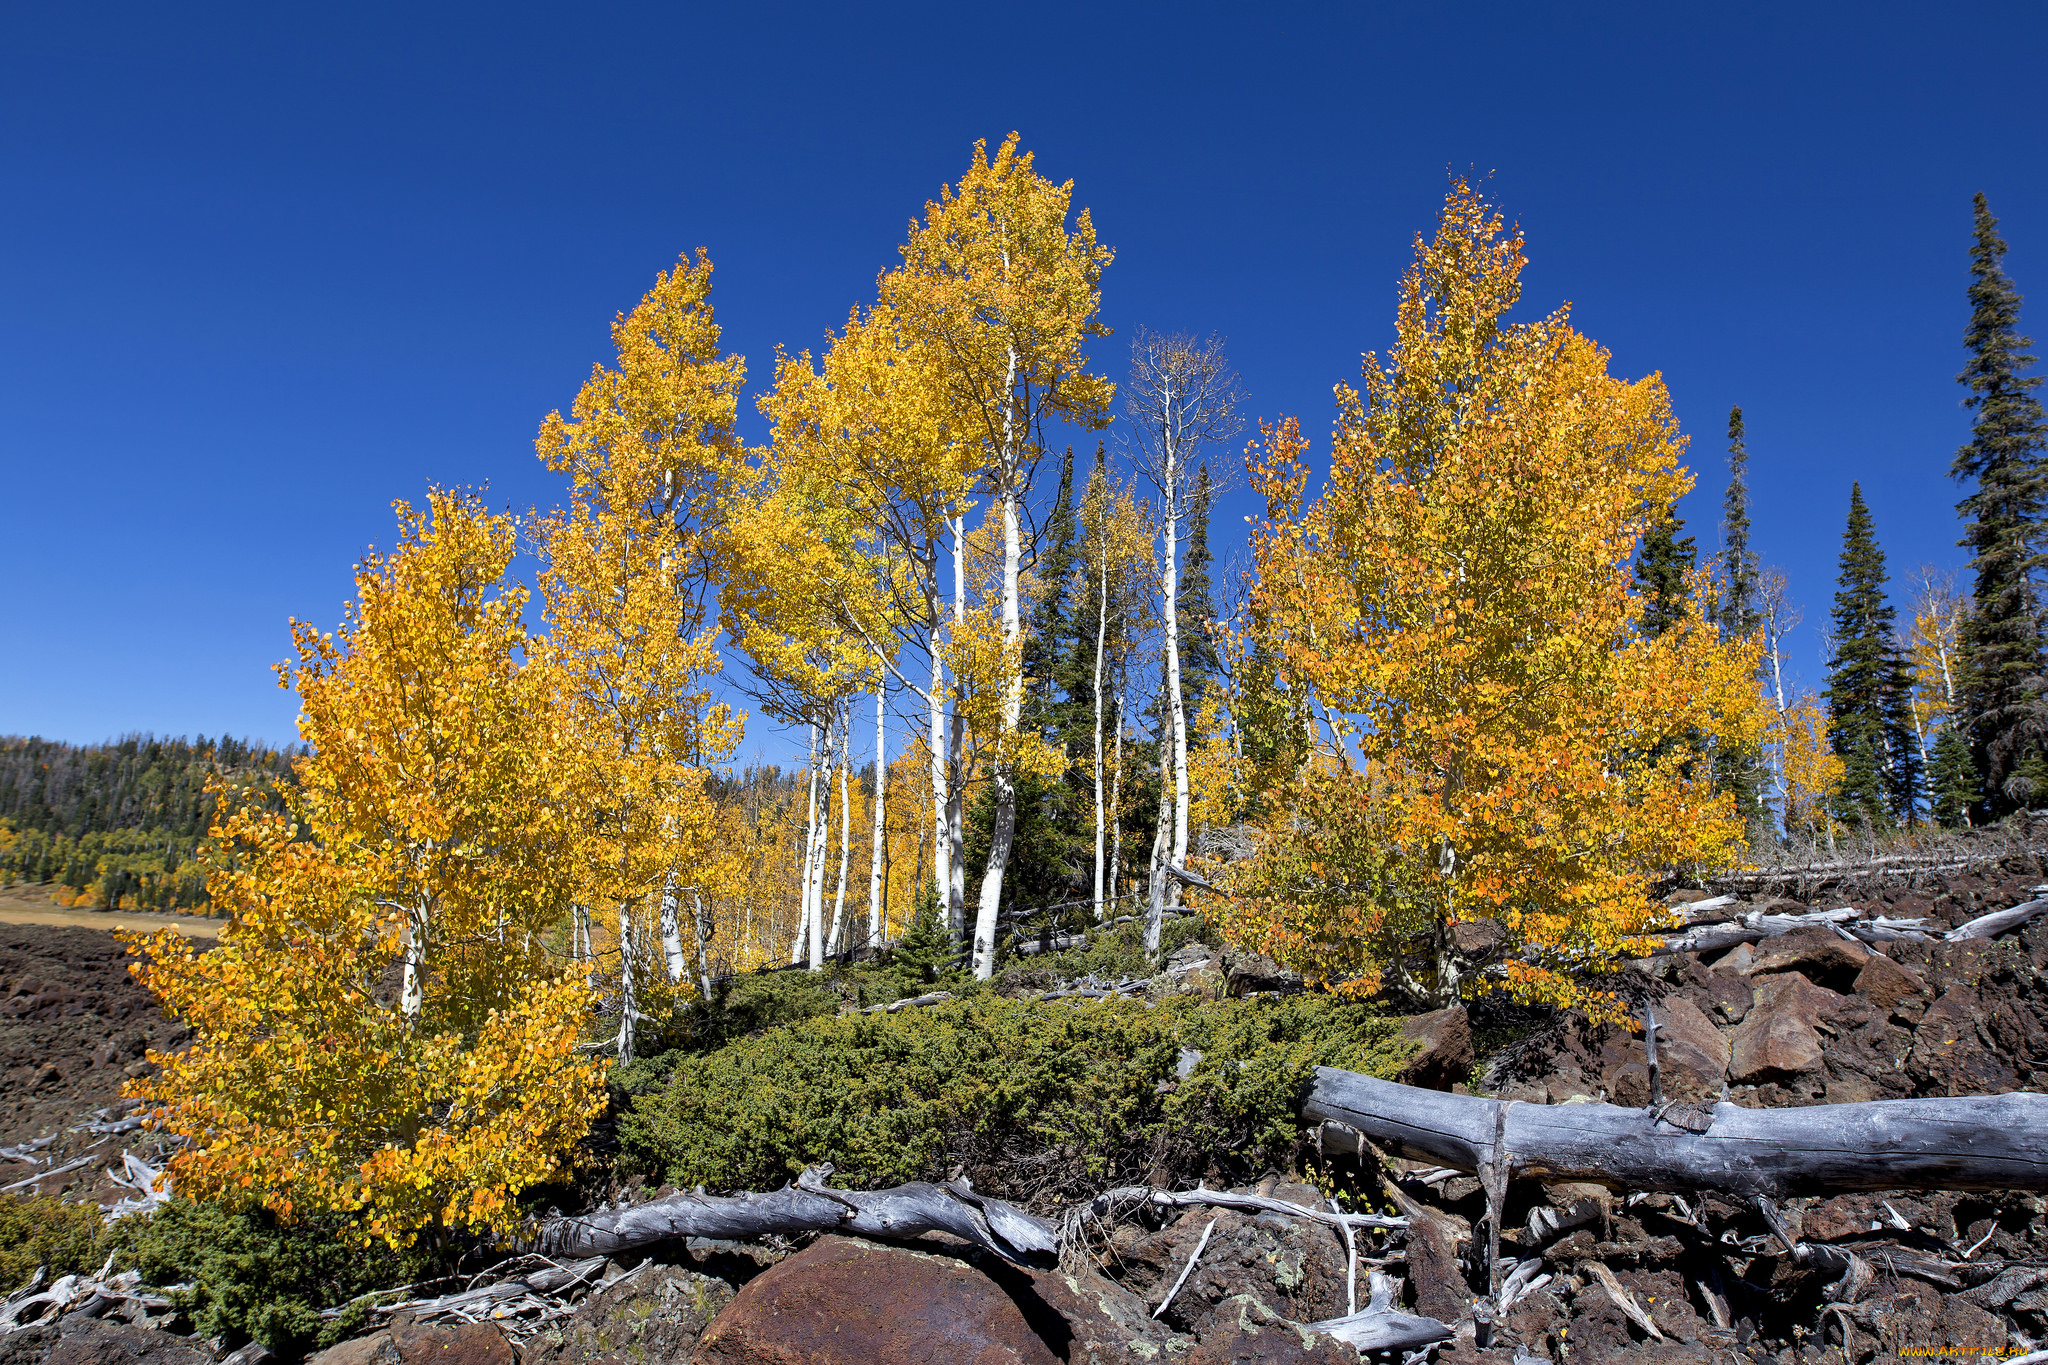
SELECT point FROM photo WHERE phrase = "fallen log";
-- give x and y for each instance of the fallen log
(1979, 1142)
(896, 1214)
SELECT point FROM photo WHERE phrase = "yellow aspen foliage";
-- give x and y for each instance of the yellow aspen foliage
(381, 1031)
(628, 580)
(1452, 623)
(1809, 772)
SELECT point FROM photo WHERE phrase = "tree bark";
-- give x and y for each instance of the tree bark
(1005, 778)
(1985, 1142)
(896, 1214)
(671, 930)
(1101, 639)
(875, 846)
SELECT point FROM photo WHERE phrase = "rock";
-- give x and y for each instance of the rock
(656, 1315)
(1819, 954)
(1294, 1265)
(1244, 972)
(1736, 961)
(1779, 1035)
(1434, 1274)
(1949, 1055)
(80, 1340)
(1478, 937)
(1109, 1324)
(1245, 1331)
(465, 1343)
(374, 1349)
(1884, 983)
(1691, 1055)
(1445, 1057)
(843, 1299)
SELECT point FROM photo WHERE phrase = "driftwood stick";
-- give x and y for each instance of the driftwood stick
(1381, 1326)
(896, 1214)
(1983, 1142)
(1185, 1271)
(1201, 1195)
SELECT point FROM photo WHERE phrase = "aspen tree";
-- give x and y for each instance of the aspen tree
(1496, 734)
(1182, 396)
(429, 829)
(631, 568)
(1005, 295)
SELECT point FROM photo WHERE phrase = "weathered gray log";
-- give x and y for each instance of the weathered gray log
(896, 1214)
(1979, 1142)
(1997, 922)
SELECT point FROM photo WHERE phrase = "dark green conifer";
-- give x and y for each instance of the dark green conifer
(1661, 566)
(2001, 653)
(1869, 687)
(1737, 613)
(1951, 779)
(1197, 606)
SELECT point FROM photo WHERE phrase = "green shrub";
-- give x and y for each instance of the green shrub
(1038, 1101)
(253, 1278)
(42, 1230)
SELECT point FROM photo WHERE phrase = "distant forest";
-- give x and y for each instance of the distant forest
(120, 825)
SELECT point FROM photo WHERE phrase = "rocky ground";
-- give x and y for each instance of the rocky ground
(1799, 1018)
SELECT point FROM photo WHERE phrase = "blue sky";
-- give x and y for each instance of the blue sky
(265, 269)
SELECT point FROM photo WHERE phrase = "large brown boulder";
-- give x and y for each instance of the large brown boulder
(1692, 1057)
(1950, 1054)
(1444, 1058)
(477, 1343)
(847, 1300)
(1884, 983)
(1780, 1035)
(1819, 954)
(79, 1340)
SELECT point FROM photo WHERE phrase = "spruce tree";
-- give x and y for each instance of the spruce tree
(1198, 662)
(1951, 779)
(2001, 653)
(1738, 614)
(1661, 566)
(1869, 687)
(1739, 771)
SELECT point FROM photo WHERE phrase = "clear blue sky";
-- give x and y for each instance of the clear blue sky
(263, 270)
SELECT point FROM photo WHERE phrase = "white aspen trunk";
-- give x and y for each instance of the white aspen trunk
(942, 848)
(956, 886)
(1006, 787)
(1116, 796)
(1101, 639)
(579, 943)
(705, 927)
(413, 993)
(845, 826)
(671, 931)
(629, 999)
(814, 925)
(803, 914)
(1176, 709)
(875, 846)
(1155, 910)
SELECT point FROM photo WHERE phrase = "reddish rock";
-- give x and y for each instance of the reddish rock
(656, 1315)
(1819, 954)
(1949, 1054)
(846, 1300)
(101, 1341)
(1434, 1274)
(1445, 1058)
(1884, 983)
(1244, 1331)
(1779, 1036)
(1736, 961)
(1292, 1264)
(469, 1343)
(1691, 1053)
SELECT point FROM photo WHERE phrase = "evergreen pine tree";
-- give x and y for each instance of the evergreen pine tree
(1738, 614)
(1198, 662)
(1739, 771)
(2001, 653)
(1951, 779)
(1661, 566)
(1869, 682)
